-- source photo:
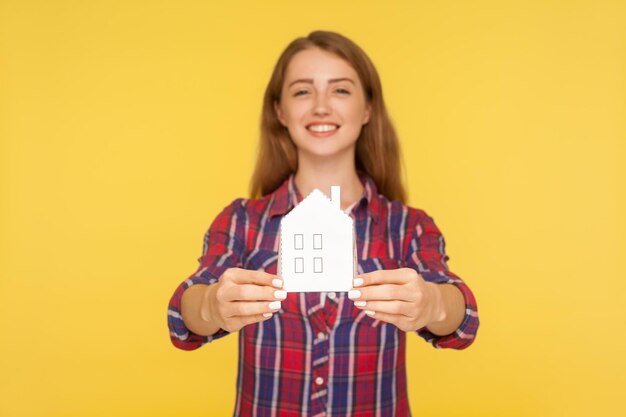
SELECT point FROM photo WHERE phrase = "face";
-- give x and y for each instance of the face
(322, 104)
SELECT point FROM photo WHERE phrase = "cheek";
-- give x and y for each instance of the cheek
(354, 112)
(294, 112)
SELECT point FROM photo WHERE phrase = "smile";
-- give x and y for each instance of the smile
(322, 128)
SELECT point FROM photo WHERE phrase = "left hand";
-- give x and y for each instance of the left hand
(399, 296)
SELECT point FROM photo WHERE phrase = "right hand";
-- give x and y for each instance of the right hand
(243, 297)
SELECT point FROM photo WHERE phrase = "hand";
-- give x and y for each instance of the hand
(242, 297)
(399, 296)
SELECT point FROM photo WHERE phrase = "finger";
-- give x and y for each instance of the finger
(386, 292)
(401, 322)
(247, 276)
(396, 307)
(386, 317)
(385, 276)
(252, 308)
(245, 320)
(251, 292)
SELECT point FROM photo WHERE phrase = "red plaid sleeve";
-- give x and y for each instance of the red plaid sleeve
(426, 254)
(223, 248)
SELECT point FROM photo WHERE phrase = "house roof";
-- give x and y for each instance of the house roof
(287, 196)
(319, 202)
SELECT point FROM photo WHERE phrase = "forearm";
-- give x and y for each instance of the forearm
(196, 312)
(453, 304)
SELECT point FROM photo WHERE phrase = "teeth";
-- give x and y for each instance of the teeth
(322, 128)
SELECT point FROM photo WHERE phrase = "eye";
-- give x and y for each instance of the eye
(342, 91)
(300, 92)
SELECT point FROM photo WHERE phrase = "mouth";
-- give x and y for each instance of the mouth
(323, 129)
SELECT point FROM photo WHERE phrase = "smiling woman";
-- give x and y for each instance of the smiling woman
(324, 123)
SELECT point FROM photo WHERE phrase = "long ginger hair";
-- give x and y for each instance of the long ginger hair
(377, 148)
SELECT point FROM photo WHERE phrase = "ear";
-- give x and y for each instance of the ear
(368, 113)
(279, 113)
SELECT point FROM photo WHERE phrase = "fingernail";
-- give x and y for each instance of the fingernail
(280, 294)
(352, 294)
(278, 283)
(357, 282)
(360, 303)
(267, 314)
(370, 312)
(274, 305)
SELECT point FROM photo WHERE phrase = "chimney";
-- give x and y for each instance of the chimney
(335, 196)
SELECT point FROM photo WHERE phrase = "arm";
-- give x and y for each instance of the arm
(425, 253)
(223, 248)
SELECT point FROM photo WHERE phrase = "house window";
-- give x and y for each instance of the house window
(317, 265)
(299, 265)
(298, 242)
(317, 241)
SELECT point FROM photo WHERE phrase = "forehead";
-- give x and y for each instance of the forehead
(319, 65)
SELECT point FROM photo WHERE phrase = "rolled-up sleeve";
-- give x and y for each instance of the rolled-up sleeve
(426, 254)
(223, 248)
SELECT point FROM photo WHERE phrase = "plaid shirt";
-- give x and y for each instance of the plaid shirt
(314, 359)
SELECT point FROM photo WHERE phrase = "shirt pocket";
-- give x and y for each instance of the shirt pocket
(370, 265)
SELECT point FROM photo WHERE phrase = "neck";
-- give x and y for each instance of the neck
(321, 173)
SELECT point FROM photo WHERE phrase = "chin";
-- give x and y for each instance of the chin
(325, 151)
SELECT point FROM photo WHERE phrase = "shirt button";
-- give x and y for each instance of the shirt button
(321, 336)
(332, 295)
(319, 380)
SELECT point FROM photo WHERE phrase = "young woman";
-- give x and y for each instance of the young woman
(306, 354)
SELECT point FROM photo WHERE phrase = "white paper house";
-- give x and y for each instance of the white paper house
(317, 245)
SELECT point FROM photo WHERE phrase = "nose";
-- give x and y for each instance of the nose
(321, 106)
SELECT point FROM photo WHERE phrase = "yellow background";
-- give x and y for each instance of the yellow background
(126, 126)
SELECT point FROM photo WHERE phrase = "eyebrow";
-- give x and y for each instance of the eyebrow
(310, 81)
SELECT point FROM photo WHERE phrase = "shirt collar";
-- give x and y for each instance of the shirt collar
(287, 196)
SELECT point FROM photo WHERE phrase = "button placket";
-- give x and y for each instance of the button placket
(319, 382)
(322, 320)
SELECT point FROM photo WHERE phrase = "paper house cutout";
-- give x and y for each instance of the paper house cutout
(317, 246)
